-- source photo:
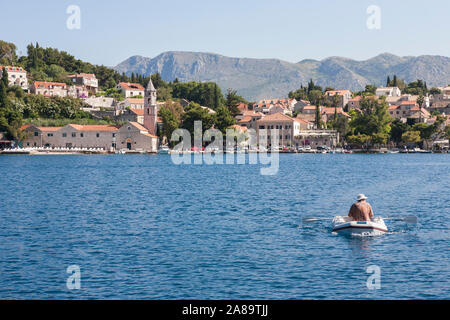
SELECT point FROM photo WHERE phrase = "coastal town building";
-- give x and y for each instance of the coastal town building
(133, 103)
(440, 102)
(409, 111)
(328, 113)
(388, 92)
(49, 89)
(77, 91)
(272, 106)
(343, 97)
(87, 81)
(309, 113)
(299, 105)
(131, 89)
(249, 119)
(70, 136)
(354, 103)
(100, 102)
(132, 136)
(131, 115)
(288, 128)
(17, 76)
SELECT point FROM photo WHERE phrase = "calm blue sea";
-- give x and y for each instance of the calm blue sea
(140, 227)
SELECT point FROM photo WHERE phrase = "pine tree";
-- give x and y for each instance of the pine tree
(395, 81)
(388, 82)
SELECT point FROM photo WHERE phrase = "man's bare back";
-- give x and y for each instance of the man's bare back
(361, 211)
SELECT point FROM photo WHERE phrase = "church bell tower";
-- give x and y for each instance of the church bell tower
(150, 108)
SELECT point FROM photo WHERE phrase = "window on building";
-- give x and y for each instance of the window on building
(74, 135)
(262, 127)
(98, 135)
(64, 135)
(36, 133)
(81, 135)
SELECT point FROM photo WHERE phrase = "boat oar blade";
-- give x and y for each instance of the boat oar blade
(410, 219)
(314, 219)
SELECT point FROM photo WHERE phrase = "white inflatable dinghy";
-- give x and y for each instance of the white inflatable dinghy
(345, 225)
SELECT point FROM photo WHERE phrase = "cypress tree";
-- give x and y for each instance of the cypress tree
(318, 120)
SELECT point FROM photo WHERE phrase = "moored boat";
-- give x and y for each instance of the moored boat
(164, 150)
(345, 225)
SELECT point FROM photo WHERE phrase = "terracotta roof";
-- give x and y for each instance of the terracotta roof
(355, 99)
(245, 119)
(45, 84)
(310, 107)
(139, 126)
(276, 117)
(138, 112)
(238, 127)
(136, 100)
(49, 129)
(149, 135)
(94, 127)
(302, 120)
(393, 107)
(243, 107)
(25, 126)
(131, 86)
(44, 129)
(407, 103)
(83, 75)
(332, 110)
(337, 92)
(13, 69)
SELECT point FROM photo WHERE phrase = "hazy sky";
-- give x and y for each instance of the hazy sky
(112, 31)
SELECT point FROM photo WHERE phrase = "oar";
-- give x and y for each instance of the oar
(314, 219)
(407, 219)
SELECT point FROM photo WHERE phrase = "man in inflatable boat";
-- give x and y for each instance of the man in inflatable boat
(361, 210)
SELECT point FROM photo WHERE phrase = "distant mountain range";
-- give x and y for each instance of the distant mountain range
(256, 79)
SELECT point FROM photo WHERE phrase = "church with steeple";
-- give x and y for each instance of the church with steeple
(136, 137)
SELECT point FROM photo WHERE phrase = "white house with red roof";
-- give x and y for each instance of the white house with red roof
(86, 80)
(17, 76)
(388, 92)
(343, 97)
(49, 89)
(131, 89)
(131, 136)
(133, 103)
(288, 128)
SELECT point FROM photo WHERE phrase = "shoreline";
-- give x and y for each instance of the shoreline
(43, 153)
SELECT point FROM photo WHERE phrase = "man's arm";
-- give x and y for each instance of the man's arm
(370, 212)
(350, 213)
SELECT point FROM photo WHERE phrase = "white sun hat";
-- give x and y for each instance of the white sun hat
(361, 197)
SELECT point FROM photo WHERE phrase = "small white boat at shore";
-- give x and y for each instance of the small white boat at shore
(345, 225)
(164, 150)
